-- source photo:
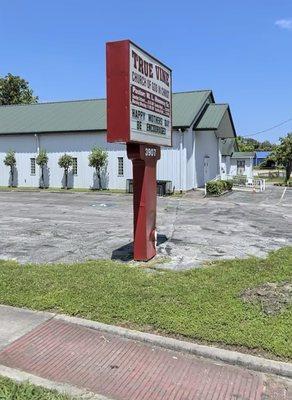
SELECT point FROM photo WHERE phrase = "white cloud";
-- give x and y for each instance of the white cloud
(284, 24)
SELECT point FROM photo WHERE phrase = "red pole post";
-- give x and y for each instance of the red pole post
(144, 159)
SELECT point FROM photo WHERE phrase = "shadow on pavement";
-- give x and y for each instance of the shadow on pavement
(125, 252)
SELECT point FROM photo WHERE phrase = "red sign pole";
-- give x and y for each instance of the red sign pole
(144, 159)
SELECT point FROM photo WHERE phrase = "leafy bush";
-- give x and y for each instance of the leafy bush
(216, 188)
(98, 159)
(229, 185)
(65, 162)
(42, 160)
(10, 161)
(240, 180)
(288, 184)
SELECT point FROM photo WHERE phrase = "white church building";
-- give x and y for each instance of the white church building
(203, 143)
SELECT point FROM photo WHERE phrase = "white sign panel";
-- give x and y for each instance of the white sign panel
(150, 99)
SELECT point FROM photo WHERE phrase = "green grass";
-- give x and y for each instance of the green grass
(201, 305)
(274, 180)
(10, 390)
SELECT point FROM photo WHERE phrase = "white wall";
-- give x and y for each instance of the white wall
(225, 166)
(248, 167)
(25, 148)
(206, 145)
(171, 166)
(190, 157)
(79, 145)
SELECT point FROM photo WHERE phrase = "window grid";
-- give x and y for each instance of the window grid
(241, 164)
(120, 166)
(32, 166)
(75, 166)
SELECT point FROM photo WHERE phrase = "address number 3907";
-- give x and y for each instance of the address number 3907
(150, 152)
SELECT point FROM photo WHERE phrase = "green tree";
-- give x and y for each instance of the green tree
(42, 160)
(266, 146)
(10, 161)
(283, 154)
(250, 144)
(15, 90)
(247, 144)
(65, 162)
(98, 160)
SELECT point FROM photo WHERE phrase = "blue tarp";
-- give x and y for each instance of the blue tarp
(260, 156)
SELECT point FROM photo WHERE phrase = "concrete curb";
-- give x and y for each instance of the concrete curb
(62, 388)
(227, 356)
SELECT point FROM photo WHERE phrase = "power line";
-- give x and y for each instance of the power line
(269, 129)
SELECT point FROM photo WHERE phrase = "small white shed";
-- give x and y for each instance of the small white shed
(241, 163)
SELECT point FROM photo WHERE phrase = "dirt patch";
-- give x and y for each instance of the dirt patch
(272, 297)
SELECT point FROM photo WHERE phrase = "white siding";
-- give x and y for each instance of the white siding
(206, 145)
(79, 145)
(25, 148)
(225, 167)
(172, 165)
(248, 167)
(191, 182)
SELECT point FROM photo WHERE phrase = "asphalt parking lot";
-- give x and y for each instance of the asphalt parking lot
(47, 227)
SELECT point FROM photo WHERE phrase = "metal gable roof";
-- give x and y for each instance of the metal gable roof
(54, 117)
(243, 154)
(187, 105)
(86, 115)
(212, 117)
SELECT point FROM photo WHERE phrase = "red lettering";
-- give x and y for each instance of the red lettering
(143, 66)
(162, 75)
(135, 56)
(150, 70)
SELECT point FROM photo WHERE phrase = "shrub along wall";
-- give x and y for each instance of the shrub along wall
(216, 188)
(289, 184)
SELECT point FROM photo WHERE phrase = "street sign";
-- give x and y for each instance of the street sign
(139, 96)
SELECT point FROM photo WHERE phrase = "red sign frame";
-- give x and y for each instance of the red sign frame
(119, 97)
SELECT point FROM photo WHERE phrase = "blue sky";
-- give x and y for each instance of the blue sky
(242, 50)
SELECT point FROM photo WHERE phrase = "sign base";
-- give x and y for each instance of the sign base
(144, 159)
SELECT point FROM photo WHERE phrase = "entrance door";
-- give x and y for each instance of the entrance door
(240, 167)
(206, 169)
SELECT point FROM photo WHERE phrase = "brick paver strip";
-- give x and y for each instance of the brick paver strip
(126, 370)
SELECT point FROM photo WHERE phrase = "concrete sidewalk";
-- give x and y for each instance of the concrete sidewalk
(121, 369)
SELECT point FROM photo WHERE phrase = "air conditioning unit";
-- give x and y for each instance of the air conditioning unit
(168, 188)
(163, 187)
(129, 186)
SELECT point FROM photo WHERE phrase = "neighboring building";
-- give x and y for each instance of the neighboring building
(242, 164)
(217, 121)
(203, 134)
(260, 156)
(228, 146)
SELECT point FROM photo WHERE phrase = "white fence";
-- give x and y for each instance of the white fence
(255, 184)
